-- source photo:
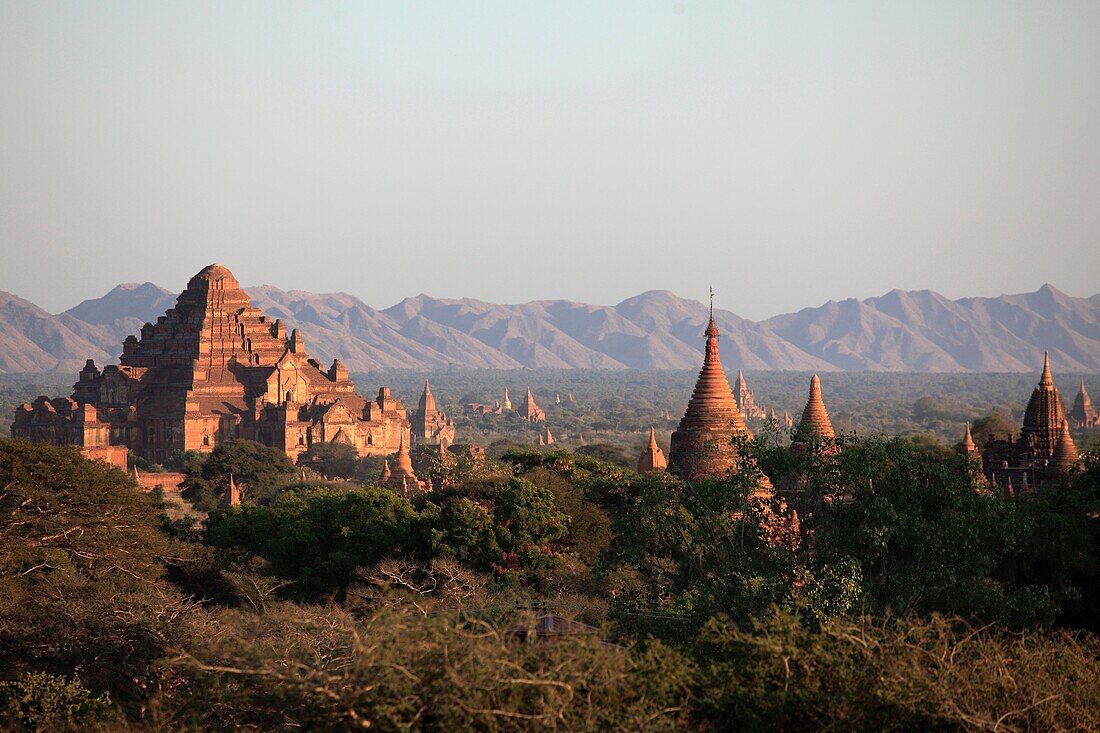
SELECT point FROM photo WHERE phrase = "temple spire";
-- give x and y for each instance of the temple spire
(815, 418)
(1065, 456)
(232, 495)
(702, 445)
(1082, 413)
(652, 459)
(1044, 414)
(711, 354)
(968, 447)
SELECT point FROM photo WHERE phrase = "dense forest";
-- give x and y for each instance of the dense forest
(878, 586)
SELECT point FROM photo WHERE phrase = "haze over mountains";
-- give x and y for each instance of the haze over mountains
(900, 331)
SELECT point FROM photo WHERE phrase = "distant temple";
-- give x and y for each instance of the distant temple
(401, 476)
(1044, 451)
(702, 445)
(212, 369)
(430, 425)
(652, 459)
(815, 424)
(529, 410)
(746, 402)
(1082, 414)
(968, 447)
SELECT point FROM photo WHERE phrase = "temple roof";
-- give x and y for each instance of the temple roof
(1065, 454)
(712, 405)
(1045, 412)
(968, 441)
(1082, 410)
(702, 443)
(1046, 379)
(427, 400)
(815, 418)
(652, 458)
(402, 466)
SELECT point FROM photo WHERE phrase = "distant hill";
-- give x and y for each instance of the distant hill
(35, 340)
(919, 331)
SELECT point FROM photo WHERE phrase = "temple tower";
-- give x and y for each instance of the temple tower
(430, 425)
(702, 445)
(402, 475)
(1065, 456)
(232, 495)
(530, 411)
(746, 401)
(968, 447)
(815, 423)
(1082, 414)
(652, 459)
(1044, 415)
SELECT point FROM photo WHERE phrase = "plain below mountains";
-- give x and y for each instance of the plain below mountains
(918, 331)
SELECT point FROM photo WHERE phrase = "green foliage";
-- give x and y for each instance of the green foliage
(997, 423)
(930, 445)
(332, 460)
(81, 576)
(927, 409)
(701, 548)
(761, 622)
(467, 534)
(511, 528)
(916, 529)
(589, 527)
(189, 462)
(899, 675)
(259, 471)
(607, 453)
(41, 701)
(318, 537)
(528, 525)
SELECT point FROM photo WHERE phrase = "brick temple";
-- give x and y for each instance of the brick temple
(211, 369)
(1044, 451)
(1082, 414)
(430, 425)
(702, 445)
(746, 401)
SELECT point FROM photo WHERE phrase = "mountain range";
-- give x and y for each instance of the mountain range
(920, 331)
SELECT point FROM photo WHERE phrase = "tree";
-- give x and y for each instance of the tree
(997, 423)
(606, 453)
(318, 537)
(82, 567)
(913, 531)
(528, 526)
(259, 470)
(511, 528)
(332, 460)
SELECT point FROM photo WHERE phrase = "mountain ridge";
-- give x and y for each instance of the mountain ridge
(901, 330)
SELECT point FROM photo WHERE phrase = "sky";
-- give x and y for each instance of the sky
(783, 153)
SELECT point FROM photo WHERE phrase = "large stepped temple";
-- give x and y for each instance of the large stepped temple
(1044, 451)
(702, 445)
(211, 369)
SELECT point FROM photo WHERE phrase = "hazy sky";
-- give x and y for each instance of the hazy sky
(784, 153)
